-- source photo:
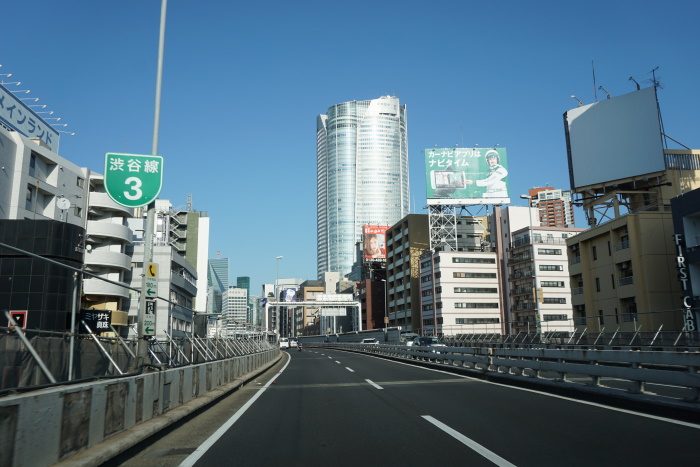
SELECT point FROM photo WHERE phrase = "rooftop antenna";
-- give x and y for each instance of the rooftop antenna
(655, 82)
(189, 202)
(461, 135)
(635, 82)
(595, 91)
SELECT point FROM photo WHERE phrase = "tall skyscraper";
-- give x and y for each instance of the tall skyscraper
(555, 206)
(217, 283)
(362, 175)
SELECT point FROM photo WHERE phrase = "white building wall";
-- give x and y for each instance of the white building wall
(460, 293)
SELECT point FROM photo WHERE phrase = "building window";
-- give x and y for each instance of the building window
(549, 251)
(551, 267)
(81, 182)
(475, 290)
(78, 211)
(474, 260)
(597, 284)
(551, 284)
(30, 197)
(477, 321)
(595, 253)
(474, 275)
(555, 300)
(555, 317)
(475, 305)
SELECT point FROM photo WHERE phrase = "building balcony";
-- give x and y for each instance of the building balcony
(109, 259)
(577, 291)
(108, 230)
(94, 286)
(625, 281)
(621, 246)
(102, 202)
(575, 260)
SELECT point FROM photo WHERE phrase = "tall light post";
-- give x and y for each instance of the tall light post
(386, 300)
(538, 316)
(277, 295)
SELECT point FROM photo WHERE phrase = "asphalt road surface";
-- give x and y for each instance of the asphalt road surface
(328, 407)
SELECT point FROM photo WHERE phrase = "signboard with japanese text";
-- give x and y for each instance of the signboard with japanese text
(374, 243)
(97, 320)
(21, 118)
(133, 180)
(149, 318)
(466, 176)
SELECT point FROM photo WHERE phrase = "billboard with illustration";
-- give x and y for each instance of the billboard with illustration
(466, 176)
(374, 243)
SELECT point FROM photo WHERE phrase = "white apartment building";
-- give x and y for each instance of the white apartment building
(234, 311)
(460, 293)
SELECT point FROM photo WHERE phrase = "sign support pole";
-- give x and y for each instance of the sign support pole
(142, 344)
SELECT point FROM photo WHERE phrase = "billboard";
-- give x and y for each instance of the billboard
(466, 176)
(614, 139)
(21, 118)
(290, 295)
(374, 243)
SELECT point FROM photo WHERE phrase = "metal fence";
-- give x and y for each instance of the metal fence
(30, 359)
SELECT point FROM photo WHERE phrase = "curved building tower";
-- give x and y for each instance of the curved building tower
(362, 171)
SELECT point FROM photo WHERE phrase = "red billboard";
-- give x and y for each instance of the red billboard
(374, 243)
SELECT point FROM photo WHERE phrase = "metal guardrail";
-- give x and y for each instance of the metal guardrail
(665, 376)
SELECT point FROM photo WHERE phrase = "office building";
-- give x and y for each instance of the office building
(362, 176)
(234, 310)
(554, 206)
(217, 283)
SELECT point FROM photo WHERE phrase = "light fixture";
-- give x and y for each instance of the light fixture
(70, 133)
(579, 100)
(6, 74)
(60, 124)
(635, 82)
(38, 105)
(21, 91)
(606, 91)
(14, 82)
(50, 112)
(52, 118)
(35, 99)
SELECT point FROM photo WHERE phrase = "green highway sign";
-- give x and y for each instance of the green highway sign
(133, 180)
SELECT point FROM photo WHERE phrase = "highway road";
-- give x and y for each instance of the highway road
(328, 407)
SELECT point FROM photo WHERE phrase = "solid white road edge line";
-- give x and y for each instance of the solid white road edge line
(473, 445)
(374, 384)
(204, 447)
(594, 404)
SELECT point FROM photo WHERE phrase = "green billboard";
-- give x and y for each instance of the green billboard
(466, 176)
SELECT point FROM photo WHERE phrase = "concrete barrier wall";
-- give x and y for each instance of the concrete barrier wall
(46, 426)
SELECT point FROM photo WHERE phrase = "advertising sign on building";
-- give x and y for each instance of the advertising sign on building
(97, 320)
(374, 243)
(18, 116)
(290, 295)
(466, 176)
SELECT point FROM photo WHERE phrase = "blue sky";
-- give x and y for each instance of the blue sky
(244, 81)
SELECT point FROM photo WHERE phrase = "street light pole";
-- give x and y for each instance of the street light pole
(277, 295)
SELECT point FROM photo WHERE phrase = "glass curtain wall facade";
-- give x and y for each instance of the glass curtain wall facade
(362, 170)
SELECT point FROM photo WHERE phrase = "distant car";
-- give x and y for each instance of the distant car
(427, 342)
(284, 343)
(293, 343)
(408, 338)
(370, 341)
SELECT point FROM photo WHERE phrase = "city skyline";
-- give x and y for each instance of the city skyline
(501, 77)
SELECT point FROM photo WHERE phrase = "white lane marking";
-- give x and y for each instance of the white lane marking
(337, 362)
(330, 357)
(350, 370)
(206, 445)
(374, 384)
(473, 445)
(535, 391)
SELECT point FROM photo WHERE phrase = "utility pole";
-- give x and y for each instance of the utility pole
(142, 343)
